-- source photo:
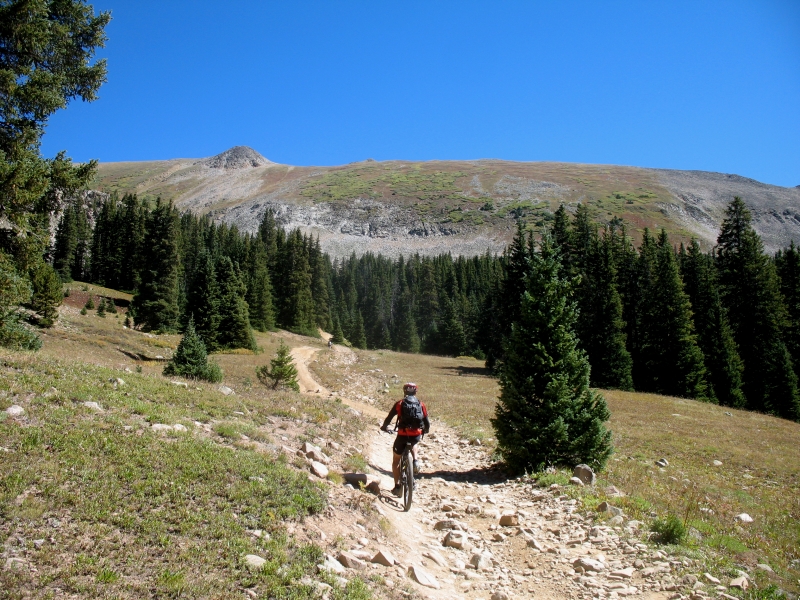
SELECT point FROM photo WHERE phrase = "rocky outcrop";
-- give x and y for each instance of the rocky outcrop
(461, 207)
(238, 157)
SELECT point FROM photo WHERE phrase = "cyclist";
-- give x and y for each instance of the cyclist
(412, 422)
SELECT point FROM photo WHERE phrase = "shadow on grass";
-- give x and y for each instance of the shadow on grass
(467, 371)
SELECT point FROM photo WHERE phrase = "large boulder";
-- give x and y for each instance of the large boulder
(585, 473)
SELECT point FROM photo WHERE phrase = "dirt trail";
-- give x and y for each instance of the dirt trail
(451, 544)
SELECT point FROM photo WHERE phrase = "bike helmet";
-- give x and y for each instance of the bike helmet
(410, 388)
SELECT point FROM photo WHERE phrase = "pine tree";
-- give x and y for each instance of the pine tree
(600, 327)
(191, 360)
(259, 293)
(65, 243)
(47, 293)
(296, 311)
(714, 334)
(788, 265)
(101, 308)
(453, 341)
(671, 360)
(155, 304)
(281, 371)
(750, 292)
(359, 339)
(546, 414)
(202, 301)
(406, 336)
(337, 337)
(15, 289)
(234, 321)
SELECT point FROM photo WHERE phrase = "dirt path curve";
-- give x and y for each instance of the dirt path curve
(473, 534)
(301, 356)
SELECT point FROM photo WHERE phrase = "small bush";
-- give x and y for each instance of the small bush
(670, 530)
(89, 304)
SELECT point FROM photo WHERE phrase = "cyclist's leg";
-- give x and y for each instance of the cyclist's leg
(397, 449)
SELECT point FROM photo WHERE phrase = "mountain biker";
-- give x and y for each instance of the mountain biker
(409, 433)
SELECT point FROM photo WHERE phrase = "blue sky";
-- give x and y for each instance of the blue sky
(689, 85)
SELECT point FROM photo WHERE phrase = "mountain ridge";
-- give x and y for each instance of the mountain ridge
(463, 207)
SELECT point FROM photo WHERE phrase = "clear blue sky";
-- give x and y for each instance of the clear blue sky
(711, 85)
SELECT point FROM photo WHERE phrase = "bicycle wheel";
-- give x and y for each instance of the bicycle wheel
(408, 481)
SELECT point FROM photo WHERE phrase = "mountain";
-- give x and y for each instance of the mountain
(464, 207)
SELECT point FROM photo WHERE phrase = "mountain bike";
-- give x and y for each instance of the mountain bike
(407, 483)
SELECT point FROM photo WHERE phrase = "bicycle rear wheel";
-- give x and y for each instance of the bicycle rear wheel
(408, 481)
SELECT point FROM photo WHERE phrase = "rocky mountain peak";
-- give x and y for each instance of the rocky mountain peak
(238, 157)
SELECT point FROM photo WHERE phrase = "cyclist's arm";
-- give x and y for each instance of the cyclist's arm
(392, 414)
(426, 423)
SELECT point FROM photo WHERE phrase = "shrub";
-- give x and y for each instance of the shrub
(17, 336)
(670, 530)
(191, 360)
(282, 372)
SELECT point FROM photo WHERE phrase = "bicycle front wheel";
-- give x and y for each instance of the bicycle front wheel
(408, 477)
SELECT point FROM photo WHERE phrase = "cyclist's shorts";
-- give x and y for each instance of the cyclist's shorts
(402, 441)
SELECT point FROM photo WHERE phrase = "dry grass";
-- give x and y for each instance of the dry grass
(759, 475)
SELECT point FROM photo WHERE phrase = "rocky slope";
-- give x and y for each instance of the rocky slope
(463, 207)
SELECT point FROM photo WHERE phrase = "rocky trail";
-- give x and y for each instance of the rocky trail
(473, 533)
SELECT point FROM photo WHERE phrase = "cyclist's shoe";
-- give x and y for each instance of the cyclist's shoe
(416, 467)
(396, 490)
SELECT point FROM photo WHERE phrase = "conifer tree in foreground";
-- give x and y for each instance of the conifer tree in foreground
(281, 371)
(191, 360)
(546, 414)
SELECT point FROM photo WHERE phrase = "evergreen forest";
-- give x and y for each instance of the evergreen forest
(720, 326)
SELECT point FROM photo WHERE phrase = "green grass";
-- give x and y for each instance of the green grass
(135, 513)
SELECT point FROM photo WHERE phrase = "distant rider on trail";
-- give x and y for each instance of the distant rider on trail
(412, 422)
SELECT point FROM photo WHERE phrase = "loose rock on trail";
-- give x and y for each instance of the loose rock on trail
(474, 533)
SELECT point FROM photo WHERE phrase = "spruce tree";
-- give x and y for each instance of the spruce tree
(453, 341)
(155, 304)
(202, 301)
(47, 293)
(600, 327)
(281, 372)
(15, 289)
(750, 291)
(234, 321)
(65, 243)
(546, 414)
(101, 307)
(359, 339)
(671, 360)
(788, 265)
(406, 336)
(714, 334)
(191, 360)
(296, 310)
(259, 292)
(337, 337)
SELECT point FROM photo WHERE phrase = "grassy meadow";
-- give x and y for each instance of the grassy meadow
(759, 472)
(96, 503)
